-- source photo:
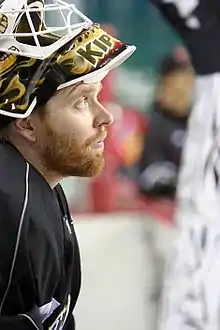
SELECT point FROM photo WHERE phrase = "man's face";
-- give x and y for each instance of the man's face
(70, 136)
(176, 91)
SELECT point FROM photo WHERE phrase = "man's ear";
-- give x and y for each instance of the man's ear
(26, 128)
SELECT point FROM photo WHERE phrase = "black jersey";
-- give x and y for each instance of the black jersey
(39, 255)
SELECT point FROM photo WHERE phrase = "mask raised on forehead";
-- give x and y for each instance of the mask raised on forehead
(36, 59)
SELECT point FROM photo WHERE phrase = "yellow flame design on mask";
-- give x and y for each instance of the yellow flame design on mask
(75, 63)
(14, 91)
(6, 62)
(20, 77)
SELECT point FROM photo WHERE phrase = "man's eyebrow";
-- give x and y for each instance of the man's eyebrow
(80, 89)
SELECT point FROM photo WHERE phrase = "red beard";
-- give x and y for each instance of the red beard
(65, 155)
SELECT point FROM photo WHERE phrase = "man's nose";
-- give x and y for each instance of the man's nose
(102, 116)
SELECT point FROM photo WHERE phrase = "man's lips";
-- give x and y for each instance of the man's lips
(99, 143)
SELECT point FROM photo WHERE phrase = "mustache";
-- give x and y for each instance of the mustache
(99, 136)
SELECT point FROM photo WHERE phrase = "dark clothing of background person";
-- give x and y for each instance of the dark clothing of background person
(161, 156)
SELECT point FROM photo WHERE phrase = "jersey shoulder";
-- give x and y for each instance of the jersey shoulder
(12, 172)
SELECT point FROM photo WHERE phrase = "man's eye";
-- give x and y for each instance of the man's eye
(82, 103)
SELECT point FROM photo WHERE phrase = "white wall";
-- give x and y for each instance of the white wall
(118, 273)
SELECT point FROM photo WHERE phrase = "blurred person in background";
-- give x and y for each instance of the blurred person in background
(52, 126)
(191, 296)
(161, 157)
(160, 162)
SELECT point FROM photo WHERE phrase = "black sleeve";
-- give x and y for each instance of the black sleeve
(28, 321)
(157, 173)
(70, 323)
(153, 143)
(198, 24)
(10, 217)
(75, 275)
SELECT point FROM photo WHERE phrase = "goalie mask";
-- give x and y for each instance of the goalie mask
(38, 58)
